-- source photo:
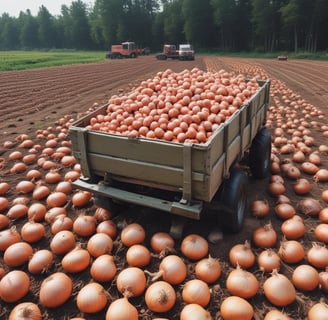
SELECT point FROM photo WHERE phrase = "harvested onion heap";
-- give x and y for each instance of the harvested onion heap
(178, 107)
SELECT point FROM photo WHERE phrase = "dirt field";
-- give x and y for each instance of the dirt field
(37, 99)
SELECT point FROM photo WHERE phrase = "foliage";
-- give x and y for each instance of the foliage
(20, 60)
(229, 25)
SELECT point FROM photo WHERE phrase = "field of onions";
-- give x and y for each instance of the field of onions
(63, 257)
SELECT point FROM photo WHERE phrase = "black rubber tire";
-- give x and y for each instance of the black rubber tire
(232, 201)
(260, 154)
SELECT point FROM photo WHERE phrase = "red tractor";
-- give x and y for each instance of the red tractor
(124, 50)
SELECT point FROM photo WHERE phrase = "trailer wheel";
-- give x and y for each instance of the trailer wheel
(232, 201)
(260, 154)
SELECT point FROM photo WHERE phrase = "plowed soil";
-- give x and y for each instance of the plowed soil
(38, 99)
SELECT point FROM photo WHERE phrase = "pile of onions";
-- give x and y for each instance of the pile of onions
(169, 107)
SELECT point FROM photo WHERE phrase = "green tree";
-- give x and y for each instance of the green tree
(173, 23)
(9, 33)
(46, 32)
(198, 22)
(28, 31)
(80, 29)
(266, 23)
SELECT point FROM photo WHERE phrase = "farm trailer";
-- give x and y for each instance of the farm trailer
(182, 179)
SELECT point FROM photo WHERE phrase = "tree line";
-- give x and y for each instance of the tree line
(222, 25)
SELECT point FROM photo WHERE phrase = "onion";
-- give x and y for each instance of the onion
(76, 260)
(92, 298)
(279, 290)
(196, 291)
(17, 254)
(302, 186)
(172, 269)
(85, 225)
(234, 307)
(309, 168)
(305, 277)
(208, 270)
(40, 261)
(103, 268)
(321, 176)
(3, 203)
(310, 207)
(260, 208)
(293, 228)
(318, 311)
(285, 211)
(276, 315)
(32, 232)
(268, 260)
(138, 256)
(102, 214)
(317, 256)
(36, 211)
(321, 232)
(242, 283)
(25, 311)
(324, 195)
(193, 311)
(161, 242)
(242, 255)
(55, 290)
(108, 227)
(265, 237)
(121, 309)
(276, 188)
(291, 251)
(99, 244)
(56, 199)
(160, 296)
(62, 222)
(25, 186)
(4, 221)
(14, 285)
(81, 198)
(62, 242)
(17, 211)
(194, 247)
(323, 281)
(131, 282)
(133, 233)
(8, 237)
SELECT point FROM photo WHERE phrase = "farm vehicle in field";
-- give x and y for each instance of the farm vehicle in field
(123, 50)
(189, 180)
(170, 51)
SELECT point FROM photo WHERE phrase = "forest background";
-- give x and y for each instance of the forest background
(210, 25)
